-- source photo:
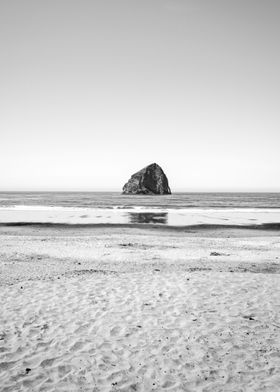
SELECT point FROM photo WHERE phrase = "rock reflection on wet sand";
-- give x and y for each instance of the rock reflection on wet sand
(148, 217)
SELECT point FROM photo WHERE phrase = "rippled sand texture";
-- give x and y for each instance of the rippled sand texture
(200, 331)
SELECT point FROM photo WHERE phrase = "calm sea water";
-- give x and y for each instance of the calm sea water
(117, 200)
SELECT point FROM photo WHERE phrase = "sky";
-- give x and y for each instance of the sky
(93, 91)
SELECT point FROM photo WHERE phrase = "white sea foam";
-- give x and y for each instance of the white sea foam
(41, 208)
(140, 209)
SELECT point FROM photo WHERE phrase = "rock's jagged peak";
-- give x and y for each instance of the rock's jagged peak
(151, 180)
(151, 166)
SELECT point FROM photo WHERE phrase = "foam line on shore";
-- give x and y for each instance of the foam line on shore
(141, 208)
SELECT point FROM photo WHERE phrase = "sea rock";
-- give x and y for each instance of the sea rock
(151, 180)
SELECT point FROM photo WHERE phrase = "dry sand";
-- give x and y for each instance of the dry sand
(119, 309)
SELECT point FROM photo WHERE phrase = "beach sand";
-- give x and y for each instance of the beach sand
(129, 309)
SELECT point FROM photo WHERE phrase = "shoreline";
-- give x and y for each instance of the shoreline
(270, 226)
(175, 218)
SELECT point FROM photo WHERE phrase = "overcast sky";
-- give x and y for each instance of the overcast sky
(92, 91)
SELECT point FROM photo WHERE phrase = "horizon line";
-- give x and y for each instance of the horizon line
(178, 190)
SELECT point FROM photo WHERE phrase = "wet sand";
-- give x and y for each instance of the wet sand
(131, 309)
(176, 217)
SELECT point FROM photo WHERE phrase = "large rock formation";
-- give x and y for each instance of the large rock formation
(149, 181)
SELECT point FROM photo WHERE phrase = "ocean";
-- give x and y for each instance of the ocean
(115, 199)
(178, 209)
